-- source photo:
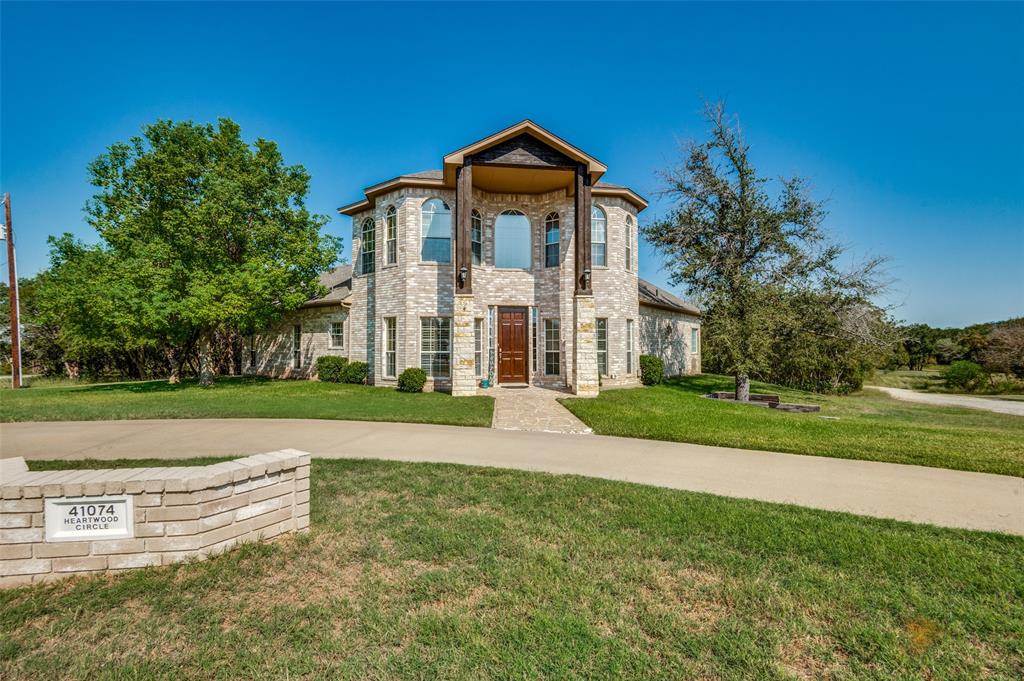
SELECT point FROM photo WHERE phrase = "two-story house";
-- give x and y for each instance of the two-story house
(513, 263)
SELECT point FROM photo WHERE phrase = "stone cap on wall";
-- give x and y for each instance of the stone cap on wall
(17, 482)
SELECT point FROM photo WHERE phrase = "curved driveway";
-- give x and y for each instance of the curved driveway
(979, 501)
(944, 400)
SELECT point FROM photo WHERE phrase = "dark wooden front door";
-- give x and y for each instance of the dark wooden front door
(511, 345)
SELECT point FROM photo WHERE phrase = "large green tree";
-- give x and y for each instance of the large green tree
(202, 236)
(747, 253)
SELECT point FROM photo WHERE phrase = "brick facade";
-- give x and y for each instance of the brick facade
(180, 513)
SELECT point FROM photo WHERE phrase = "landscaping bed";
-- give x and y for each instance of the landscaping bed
(436, 571)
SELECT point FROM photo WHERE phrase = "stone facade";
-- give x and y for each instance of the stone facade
(180, 513)
(668, 335)
(411, 289)
(399, 292)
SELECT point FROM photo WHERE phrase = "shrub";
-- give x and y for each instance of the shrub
(329, 369)
(963, 375)
(355, 372)
(412, 380)
(652, 369)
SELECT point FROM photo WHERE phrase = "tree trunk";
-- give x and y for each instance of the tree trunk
(742, 388)
(205, 361)
(174, 357)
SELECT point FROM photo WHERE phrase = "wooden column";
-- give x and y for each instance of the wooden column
(583, 259)
(463, 228)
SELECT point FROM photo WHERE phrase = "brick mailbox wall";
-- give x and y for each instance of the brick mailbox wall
(179, 513)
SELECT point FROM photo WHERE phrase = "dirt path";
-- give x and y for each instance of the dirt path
(942, 400)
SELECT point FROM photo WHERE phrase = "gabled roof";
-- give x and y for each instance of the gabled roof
(457, 157)
(657, 297)
(338, 283)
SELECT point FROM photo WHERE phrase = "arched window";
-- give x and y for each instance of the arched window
(629, 242)
(367, 247)
(512, 240)
(391, 238)
(437, 231)
(477, 236)
(598, 237)
(551, 240)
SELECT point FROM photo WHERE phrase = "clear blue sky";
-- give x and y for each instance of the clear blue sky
(909, 119)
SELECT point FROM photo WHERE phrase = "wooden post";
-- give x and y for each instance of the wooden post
(464, 228)
(584, 257)
(12, 293)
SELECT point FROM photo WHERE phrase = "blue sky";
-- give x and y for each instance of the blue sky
(908, 118)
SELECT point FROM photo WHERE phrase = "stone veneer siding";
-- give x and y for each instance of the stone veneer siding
(180, 513)
(411, 289)
(666, 334)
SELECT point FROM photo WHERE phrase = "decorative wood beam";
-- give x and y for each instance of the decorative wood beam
(583, 259)
(463, 228)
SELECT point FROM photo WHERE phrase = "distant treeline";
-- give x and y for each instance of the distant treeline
(997, 346)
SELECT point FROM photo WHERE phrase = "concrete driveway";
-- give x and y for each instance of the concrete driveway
(978, 501)
(943, 400)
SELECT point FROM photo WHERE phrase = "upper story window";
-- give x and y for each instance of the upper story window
(598, 237)
(551, 240)
(512, 240)
(391, 237)
(437, 231)
(629, 242)
(477, 236)
(367, 247)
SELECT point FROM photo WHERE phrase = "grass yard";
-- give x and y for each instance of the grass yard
(931, 381)
(240, 398)
(868, 426)
(424, 571)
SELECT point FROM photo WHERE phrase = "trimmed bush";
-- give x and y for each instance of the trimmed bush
(355, 372)
(330, 369)
(412, 380)
(652, 370)
(964, 375)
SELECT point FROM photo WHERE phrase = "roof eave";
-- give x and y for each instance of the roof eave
(672, 308)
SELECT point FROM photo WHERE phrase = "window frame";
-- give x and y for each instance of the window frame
(330, 335)
(552, 223)
(629, 243)
(555, 324)
(598, 215)
(514, 212)
(437, 353)
(391, 236)
(476, 237)
(630, 364)
(390, 347)
(478, 346)
(252, 351)
(432, 202)
(601, 329)
(297, 346)
(694, 340)
(368, 255)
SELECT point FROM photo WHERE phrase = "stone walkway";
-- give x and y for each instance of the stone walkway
(534, 409)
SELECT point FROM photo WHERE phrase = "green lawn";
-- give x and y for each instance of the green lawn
(868, 426)
(426, 571)
(239, 397)
(931, 381)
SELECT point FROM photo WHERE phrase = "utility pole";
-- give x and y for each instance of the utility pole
(12, 292)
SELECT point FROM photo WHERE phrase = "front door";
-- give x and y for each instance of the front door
(511, 345)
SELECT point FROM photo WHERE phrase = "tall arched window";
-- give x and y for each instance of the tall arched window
(551, 240)
(477, 236)
(391, 238)
(367, 247)
(598, 237)
(512, 240)
(437, 231)
(629, 242)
